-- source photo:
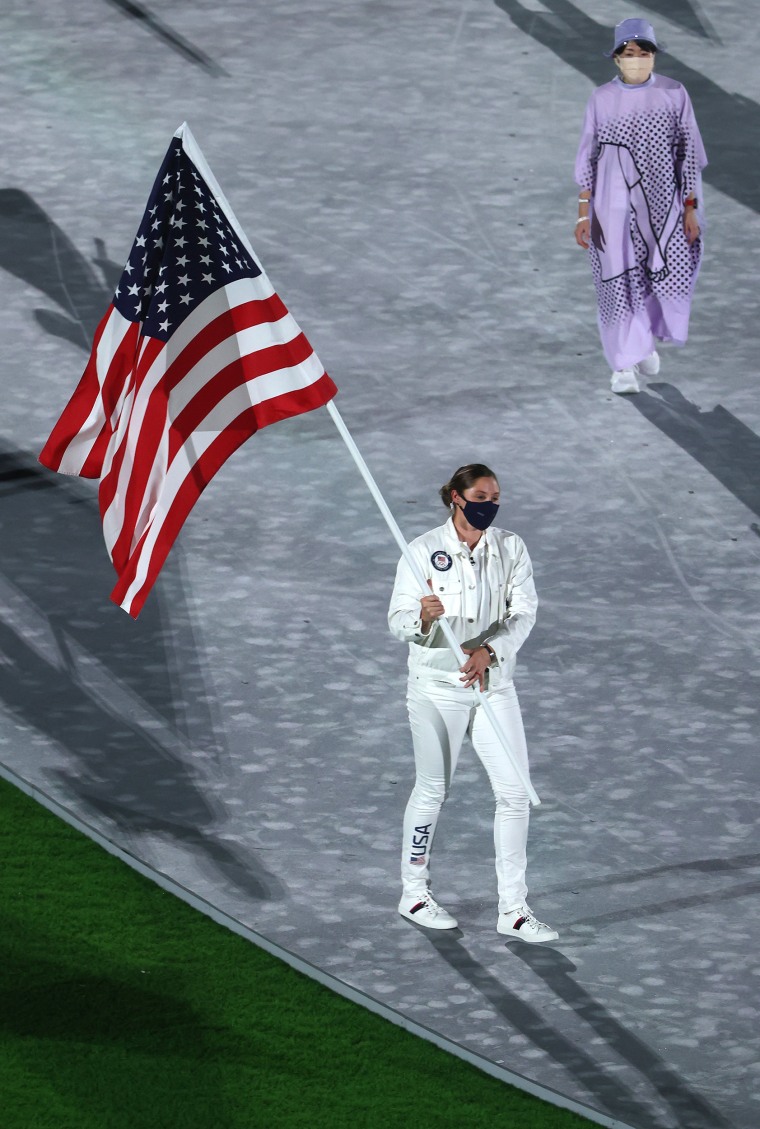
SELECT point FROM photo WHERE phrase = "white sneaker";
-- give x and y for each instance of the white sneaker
(650, 366)
(624, 380)
(423, 909)
(522, 924)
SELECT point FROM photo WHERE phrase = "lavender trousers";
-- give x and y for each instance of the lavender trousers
(440, 715)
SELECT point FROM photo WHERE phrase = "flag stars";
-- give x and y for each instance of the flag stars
(178, 270)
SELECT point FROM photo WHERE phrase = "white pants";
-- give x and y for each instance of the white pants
(440, 715)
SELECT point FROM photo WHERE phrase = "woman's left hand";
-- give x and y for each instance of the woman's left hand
(583, 232)
(690, 225)
(478, 661)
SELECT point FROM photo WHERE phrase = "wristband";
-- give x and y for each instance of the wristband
(581, 219)
(492, 653)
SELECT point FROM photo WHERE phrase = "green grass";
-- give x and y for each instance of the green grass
(123, 1008)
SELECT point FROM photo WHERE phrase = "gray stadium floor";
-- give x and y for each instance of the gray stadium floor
(404, 171)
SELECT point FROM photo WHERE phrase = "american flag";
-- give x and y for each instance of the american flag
(195, 353)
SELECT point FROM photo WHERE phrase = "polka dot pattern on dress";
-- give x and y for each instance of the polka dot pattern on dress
(666, 170)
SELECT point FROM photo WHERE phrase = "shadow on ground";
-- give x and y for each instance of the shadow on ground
(127, 700)
(606, 1092)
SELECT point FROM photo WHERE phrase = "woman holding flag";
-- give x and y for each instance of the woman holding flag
(481, 580)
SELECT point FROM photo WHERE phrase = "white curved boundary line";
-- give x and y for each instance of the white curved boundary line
(355, 995)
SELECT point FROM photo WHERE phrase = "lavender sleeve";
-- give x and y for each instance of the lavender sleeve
(585, 161)
(690, 152)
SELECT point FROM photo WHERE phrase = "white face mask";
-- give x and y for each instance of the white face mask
(635, 68)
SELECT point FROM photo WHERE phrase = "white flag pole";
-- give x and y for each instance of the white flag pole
(417, 573)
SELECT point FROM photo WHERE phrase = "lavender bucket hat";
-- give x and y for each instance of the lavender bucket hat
(631, 30)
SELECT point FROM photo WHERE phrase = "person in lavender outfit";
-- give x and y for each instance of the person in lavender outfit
(640, 217)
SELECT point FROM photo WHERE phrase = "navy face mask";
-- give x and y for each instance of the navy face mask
(480, 514)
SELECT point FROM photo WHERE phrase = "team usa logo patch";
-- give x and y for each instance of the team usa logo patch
(441, 560)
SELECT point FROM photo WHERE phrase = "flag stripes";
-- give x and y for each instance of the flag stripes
(196, 353)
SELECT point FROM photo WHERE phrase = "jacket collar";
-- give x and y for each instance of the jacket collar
(456, 546)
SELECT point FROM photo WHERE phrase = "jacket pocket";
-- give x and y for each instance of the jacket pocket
(448, 589)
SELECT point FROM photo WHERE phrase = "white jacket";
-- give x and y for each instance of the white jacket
(445, 560)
